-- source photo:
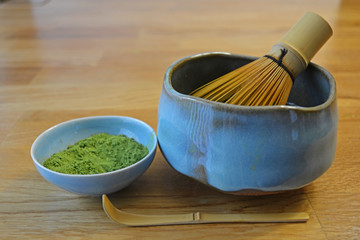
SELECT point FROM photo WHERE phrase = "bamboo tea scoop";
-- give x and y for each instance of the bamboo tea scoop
(131, 219)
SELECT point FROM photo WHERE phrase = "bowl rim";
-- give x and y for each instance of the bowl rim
(231, 107)
(90, 118)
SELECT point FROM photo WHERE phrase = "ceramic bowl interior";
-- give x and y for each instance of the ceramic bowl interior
(310, 89)
(59, 137)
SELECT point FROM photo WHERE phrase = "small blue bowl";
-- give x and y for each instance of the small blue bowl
(59, 137)
(242, 149)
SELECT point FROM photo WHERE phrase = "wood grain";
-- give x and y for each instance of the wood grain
(61, 60)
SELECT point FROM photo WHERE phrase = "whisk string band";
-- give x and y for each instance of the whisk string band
(280, 63)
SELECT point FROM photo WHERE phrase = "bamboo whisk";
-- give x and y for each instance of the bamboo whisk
(269, 79)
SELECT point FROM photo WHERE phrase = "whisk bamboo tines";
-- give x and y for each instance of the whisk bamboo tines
(268, 80)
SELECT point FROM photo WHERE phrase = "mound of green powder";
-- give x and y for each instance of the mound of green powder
(99, 153)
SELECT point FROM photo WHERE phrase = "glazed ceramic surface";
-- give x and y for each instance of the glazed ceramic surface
(62, 135)
(241, 149)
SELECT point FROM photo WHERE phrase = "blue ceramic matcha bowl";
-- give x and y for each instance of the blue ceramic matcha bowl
(241, 149)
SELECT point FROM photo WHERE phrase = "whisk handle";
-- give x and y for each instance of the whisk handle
(308, 35)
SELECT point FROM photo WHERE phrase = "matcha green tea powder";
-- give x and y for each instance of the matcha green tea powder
(99, 153)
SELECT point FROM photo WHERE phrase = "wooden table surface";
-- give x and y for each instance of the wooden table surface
(62, 59)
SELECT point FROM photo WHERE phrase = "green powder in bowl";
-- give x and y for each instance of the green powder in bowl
(99, 153)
